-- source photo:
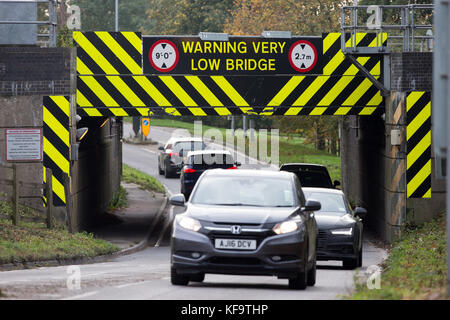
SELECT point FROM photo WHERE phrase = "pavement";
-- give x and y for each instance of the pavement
(130, 226)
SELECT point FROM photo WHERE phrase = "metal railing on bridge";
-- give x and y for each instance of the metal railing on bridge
(408, 27)
(29, 12)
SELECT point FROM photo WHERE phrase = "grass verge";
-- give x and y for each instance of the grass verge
(145, 181)
(119, 199)
(416, 267)
(32, 241)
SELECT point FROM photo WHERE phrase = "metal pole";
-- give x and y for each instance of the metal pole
(15, 217)
(232, 126)
(49, 195)
(244, 125)
(117, 16)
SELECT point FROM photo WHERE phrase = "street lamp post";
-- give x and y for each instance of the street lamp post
(117, 16)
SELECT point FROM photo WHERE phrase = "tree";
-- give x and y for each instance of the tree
(187, 17)
(251, 17)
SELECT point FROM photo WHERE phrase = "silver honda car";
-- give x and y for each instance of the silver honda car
(245, 222)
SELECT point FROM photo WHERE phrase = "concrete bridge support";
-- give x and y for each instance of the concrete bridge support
(374, 170)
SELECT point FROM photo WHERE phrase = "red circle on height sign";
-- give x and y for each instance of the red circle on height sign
(303, 56)
(163, 55)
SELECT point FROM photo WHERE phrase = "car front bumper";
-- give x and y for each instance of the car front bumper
(335, 247)
(289, 247)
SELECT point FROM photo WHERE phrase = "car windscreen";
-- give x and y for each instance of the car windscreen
(211, 160)
(244, 191)
(331, 203)
(316, 179)
(189, 146)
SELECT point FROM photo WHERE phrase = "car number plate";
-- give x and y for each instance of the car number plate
(239, 244)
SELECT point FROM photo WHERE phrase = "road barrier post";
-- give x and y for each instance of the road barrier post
(66, 181)
(15, 217)
(49, 195)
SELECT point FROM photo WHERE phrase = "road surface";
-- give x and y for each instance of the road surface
(145, 275)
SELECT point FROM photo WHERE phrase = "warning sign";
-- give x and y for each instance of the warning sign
(23, 144)
(237, 56)
(163, 55)
(303, 56)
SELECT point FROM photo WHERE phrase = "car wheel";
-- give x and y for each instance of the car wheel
(299, 282)
(166, 173)
(197, 277)
(312, 273)
(360, 260)
(178, 279)
(350, 264)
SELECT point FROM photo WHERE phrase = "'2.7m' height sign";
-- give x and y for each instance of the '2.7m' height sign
(237, 56)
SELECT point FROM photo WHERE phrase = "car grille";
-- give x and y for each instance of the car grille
(322, 240)
(235, 261)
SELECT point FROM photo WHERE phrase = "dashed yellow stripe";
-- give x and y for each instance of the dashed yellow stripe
(418, 150)
(310, 91)
(293, 111)
(125, 90)
(56, 126)
(152, 91)
(230, 91)
(204, 91)
(99, 91)
(182, 95)
(82, 68)
(120, 53)
(62, 103)
(286, 91)
(418, 179)
(412, 98)
(55, 155)
(82, 101)
(418, 121)
(135, 41)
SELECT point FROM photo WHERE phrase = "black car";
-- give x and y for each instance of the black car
(245, 222)
(198, 162)
(311, 175)
(340, 228)
(172, 156)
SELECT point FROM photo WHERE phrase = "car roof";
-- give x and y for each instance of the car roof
(180, 139)
(304, 165)
(251, 173)
(322, 190)
(208, 151)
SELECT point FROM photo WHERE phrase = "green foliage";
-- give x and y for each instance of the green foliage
(119, 199)
(32, 241)
(416, 267)
(64, 38)
(187, 17)
(145, 181)
(99, 15)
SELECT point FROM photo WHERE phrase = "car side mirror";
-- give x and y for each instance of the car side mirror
(238, 164)
(161, 148)
(312, 205)
(181, 152)
(336, 183)
(177, 200)
(360, 212)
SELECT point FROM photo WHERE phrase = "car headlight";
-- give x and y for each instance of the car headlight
(342, 232)
(285, 227)
(190, 224)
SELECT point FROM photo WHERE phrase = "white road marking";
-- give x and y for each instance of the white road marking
(81, 296)
(151, 151)
(131, 284)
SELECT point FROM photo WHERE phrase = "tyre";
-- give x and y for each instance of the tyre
(312, 274)
(166, 173)
(360, 262)
(299, 282)
(350, 264)
(159, 169)
(178, 279)
(197, 277)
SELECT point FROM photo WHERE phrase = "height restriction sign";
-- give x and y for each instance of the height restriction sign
(190, 55)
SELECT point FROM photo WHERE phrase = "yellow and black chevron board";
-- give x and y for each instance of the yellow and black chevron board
(56, 143)
(418, 136)
(110, 83)
(103, 52)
